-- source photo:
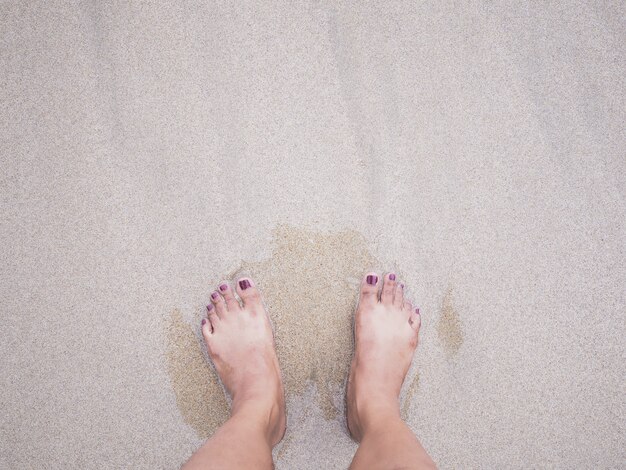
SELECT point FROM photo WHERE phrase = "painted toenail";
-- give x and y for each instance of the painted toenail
(223, 287)
(203, 321)
(209, 307)
(417, 310)
(244, 284)
(372, 279)
(214, 295)
(392, 277)
(402, 285)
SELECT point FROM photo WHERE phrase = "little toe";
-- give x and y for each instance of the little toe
(207, 330)
(249, 294)
(368, 295)
(398, 297)
(229, 297)
(415, 320)
(219, 304)
(213, 319)
(389, 289)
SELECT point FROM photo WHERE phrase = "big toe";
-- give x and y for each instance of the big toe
(249, 294)
(368, 295)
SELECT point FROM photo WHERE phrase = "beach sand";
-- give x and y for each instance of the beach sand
(150, 152)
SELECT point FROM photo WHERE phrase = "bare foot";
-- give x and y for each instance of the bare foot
(386, 328)
(240, 342)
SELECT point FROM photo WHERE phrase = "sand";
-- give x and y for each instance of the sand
(199, 395)
(310, 282)
(151, 151)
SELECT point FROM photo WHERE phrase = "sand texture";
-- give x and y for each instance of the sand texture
(152, 150)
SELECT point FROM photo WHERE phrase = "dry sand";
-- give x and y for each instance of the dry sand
(150, 151)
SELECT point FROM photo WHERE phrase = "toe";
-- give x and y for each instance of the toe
(389, 289)
(219, 304)
(369, 290)
(207, 331)
(398, 297)
(249, 294)
(213, 319)
(229, 297)
(415, 320)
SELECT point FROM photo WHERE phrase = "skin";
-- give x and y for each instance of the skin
(240, 342)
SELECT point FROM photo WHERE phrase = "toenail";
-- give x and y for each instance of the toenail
(417, 310)
(209, 307)
(392, 277)
(244, 284)
(372, 279)
(402, 285)
(223, 287)
(203, 321)
(214, 295)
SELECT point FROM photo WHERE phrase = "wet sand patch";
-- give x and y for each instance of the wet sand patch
(310, 287)
(199, 395)
(449, 328)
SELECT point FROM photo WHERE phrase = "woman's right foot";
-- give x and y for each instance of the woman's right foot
(386, 328)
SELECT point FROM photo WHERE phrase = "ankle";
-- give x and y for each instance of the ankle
(262, 414)
(370, 412)
(376, 415)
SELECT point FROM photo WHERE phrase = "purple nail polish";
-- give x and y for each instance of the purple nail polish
(203, 321)
(244, 284)
(402, 285)
(372, 279)
(417, 310)
(214, 295)
(209, 307)
(392, 277)
(223, 287)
